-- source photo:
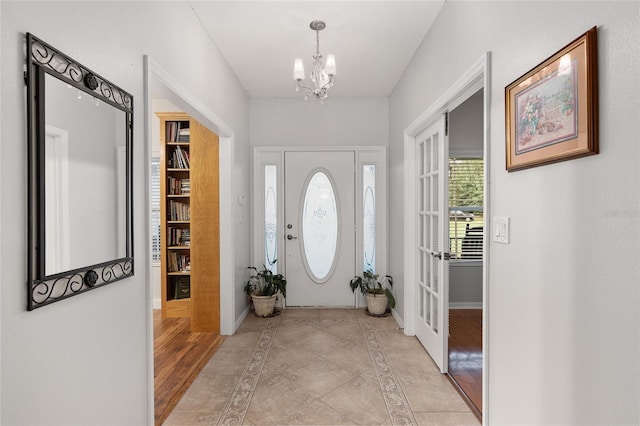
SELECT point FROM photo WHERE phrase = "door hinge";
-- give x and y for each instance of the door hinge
(446, 124)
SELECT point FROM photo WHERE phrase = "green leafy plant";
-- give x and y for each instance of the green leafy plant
(370, 283)
(263, 282)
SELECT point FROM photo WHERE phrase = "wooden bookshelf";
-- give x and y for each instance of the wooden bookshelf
(189, 210)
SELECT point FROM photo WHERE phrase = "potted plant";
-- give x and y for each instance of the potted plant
(377, 293)
(263, 287)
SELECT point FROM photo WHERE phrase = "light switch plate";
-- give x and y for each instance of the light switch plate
(501, 229)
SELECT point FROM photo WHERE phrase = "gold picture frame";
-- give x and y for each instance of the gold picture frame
(552, 110)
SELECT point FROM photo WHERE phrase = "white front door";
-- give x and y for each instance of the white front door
(319, 227)
(432, 296)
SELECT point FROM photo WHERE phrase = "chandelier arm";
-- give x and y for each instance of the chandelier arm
(328, 85)
(308, 89)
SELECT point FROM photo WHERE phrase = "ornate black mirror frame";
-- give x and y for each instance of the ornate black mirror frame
(44, 289)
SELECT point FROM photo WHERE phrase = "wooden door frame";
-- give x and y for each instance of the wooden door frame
(478, 76)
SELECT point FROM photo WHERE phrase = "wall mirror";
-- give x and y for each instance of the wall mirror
(80, 166)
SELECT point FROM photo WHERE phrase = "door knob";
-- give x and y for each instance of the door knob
(291, 237)
(439, 255)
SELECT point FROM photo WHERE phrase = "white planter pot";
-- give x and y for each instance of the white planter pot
(264, 305)
(376, 303)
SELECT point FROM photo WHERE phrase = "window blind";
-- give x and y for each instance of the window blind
(466, 200)
(155, 209)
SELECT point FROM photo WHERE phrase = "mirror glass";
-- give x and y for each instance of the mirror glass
(85, 178)
(80, 203)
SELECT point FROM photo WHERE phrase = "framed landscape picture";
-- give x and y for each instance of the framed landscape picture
(552, 110)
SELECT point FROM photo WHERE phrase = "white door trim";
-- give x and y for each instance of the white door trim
(159, 78)
(475, 78)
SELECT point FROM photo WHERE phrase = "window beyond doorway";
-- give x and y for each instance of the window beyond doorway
(466, 198)
(155, 210)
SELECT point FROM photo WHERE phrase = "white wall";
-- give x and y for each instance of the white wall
(564, 302)
(466, 140)
(85, 360)
(465, 128)
(341, 122)
(465, 284)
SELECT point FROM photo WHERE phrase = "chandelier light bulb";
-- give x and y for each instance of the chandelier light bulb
(298, 70)
(330, 65)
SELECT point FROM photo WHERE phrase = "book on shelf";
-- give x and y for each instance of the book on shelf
(184, 239)
(184, 135)
(178, 237)
(170, 129)
(180, 158)
(177, 262)
(179, 211)
(185, 154)
(174, 161)
(182, 288)
(177, 131)
(185, 187)
(178, 186)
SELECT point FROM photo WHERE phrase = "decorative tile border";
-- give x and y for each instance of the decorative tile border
(398, 407)
(236, 407)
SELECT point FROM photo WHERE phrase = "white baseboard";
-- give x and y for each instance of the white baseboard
(398, 319)
(465, 305)
(157, 304)
(241, 318)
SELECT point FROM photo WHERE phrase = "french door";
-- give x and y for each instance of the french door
(432, 298)
(319, 220)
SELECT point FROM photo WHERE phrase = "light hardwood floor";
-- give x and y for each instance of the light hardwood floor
(179, 356)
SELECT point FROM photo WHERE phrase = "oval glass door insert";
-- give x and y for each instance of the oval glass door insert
(320, 226)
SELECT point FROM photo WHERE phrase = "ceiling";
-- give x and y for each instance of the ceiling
(373, 41)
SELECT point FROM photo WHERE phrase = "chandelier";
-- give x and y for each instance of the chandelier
(321, 76)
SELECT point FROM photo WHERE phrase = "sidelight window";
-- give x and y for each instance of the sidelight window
(270, 217)
(369, 217)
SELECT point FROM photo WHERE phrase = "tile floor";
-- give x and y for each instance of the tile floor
(321, 367)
